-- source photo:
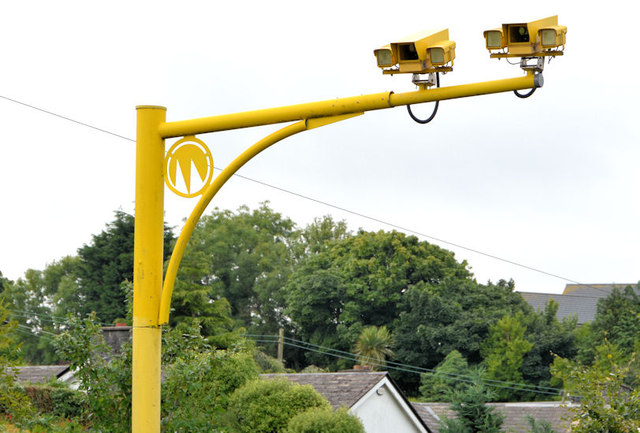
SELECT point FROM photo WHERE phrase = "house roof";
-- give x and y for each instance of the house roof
(341, 389)
(597, 290)
(346, 389)
(38, 373)
(580, 300)
(581, 306)
(556, 413)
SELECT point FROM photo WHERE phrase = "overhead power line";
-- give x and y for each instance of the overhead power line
(407, 368)
(537, 389)
(324, 203)
(66, 118)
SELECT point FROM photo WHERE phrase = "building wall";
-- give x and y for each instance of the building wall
(380, 412)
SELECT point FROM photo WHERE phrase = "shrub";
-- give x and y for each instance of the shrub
(325, 421)
(107, 383)
(267, 363)
(196, 390)
(266, 406)
(56, 400)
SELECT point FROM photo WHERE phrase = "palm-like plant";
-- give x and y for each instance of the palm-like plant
(374, 346)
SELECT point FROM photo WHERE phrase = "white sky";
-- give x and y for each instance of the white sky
(549, 182)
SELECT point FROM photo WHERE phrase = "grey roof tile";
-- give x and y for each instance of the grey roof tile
(38, 373)
(341, 389)
(597, 290)
(556, 413)
(580, 306)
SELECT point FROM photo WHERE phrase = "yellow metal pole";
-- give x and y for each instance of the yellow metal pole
(147, 270)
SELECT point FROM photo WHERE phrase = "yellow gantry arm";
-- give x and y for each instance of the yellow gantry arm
(337, 107)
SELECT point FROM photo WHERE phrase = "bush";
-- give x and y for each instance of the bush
(56, 400)
(196, 390)
(267, 363)
(266, 406)
(107, 383)
(325, 421)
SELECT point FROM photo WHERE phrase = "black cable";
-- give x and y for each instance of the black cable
(435, 109)
(524, 95)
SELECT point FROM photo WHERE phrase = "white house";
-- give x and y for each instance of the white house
(371, 396)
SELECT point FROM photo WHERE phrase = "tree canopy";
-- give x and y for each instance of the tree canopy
(361, 281)
(252, 271)
(105, 263)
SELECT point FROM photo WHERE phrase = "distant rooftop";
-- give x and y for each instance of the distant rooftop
(597, 290)
(341, 389)
(555, 413)
(38, 373)
(582, 307)
(579, 300)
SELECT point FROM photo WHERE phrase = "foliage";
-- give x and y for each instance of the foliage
(360, 281)
(268, 364)
(244, 257)
(183, 342)
(13, 401)
(28, 300)
(536, 426)
(503, 352)
(549, 337)
(57, 399)
(197, 388)
(472, 413)
(606, 403)
(449, 376)
(266, 406)
(325, 421)
(617, 320)
(320, 234)
(455, 314)
(107, 383)
(104, 264)
(374, 346)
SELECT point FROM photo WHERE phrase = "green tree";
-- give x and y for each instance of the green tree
(244, 257)
(473, 415)
(61, 285)
(29, 302)
(451, 375)
(548, 336)
(197, 387)
(455, 314)
(374, 346)
(105, 263)
(105, 378)
(617, 320)
(360, 281)
(325, 421)
(267, 406)
(503, 353)
(607, 404)
(321, 233)
(13, 401)
(536, 426)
